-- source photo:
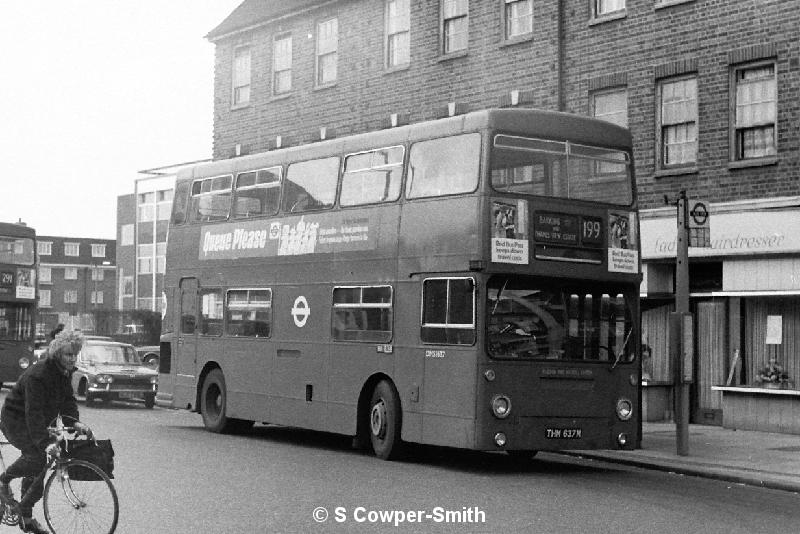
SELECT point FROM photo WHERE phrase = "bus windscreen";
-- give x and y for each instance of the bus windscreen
(536, 318)
(16, 250)
(561, 169)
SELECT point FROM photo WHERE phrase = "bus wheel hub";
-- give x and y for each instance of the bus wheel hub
(378, 419)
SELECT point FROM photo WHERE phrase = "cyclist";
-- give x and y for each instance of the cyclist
(42, 393)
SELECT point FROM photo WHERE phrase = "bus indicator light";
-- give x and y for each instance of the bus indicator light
(501, 406)
(500, 439)
(489, 375)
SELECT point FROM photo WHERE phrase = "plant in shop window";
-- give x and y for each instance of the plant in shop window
(773, 375)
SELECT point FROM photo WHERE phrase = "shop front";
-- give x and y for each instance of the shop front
(745, 297)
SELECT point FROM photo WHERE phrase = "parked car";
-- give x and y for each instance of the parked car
(110, 370)
(149, 355)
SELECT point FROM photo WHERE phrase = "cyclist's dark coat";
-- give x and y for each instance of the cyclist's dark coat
(39, 396)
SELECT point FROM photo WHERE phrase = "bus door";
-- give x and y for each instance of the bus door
(186, 357)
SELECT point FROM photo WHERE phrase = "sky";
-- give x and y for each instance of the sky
(93, 92)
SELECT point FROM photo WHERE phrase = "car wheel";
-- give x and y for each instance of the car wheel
(149, 401)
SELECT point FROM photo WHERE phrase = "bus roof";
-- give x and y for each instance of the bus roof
(522, 121)
(16, 230)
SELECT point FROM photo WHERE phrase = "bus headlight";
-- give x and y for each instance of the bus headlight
(624, 409)
(501, 406)
(24, 362)
(500, 439)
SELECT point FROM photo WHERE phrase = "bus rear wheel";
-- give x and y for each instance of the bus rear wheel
(213, 406)
(385, 421)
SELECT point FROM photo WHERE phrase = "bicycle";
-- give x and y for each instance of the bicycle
(87, 505)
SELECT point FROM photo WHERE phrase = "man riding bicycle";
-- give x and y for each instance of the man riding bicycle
(42, 393)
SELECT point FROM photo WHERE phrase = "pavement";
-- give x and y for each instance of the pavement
(741, 456)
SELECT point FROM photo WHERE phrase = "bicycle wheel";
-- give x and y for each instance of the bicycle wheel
(85, 506)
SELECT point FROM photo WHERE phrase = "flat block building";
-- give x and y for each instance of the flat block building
(709, 89)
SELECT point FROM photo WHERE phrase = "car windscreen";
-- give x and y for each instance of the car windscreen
(114, 354)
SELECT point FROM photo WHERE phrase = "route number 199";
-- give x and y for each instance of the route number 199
(591, 229)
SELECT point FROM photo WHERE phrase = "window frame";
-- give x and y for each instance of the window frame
(204, 319)
(505, 20)
(735, 156)
(44, 248)
(68, 247)
(276, 71)
(236, 188)
(238, 101)
(319, 54)
(389, 35)
(70, 270)
(344, 174)
(443, 26)
(287, 178)
(409, 188)
(606, 91)
(45, 298)
(599, 15)
(363, 306)
(447, 325)
(226, 312)
(70, 296)
(661, 127)
(45, 279)
(193, 214)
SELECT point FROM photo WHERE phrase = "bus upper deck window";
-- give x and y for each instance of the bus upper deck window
(310, 185)
(444, 166)
(179, 201)
(371, 177)
(257, 193)
(211, 199)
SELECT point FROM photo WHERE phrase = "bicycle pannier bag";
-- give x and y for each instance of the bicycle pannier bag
(98, 452)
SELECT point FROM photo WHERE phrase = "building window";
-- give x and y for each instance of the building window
(72, 249)
(44, 298)
(146, 209)
(518, 15)
(455, 23)
(126, 235)
(448, 311)
(398, 26)
(611, 106)
(144, 259)
(602, 8)
(70, 273)
(362, 314)
(144, 303)
(45, 275)
(97, 297)
(163, 204)
(44, 248)
(97, 274)
(71, 296)
(127, 286)
(98, 251)
(755, 114)
(678, 122)
(249, 312)
(327, 51)
(241, 76)
(282, 65)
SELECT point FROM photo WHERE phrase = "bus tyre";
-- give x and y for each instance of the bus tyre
(213, 406)
(385, 421)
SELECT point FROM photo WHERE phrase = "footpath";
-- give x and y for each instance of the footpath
(740, 456)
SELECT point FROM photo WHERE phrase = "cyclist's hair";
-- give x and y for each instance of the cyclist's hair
(65, 339)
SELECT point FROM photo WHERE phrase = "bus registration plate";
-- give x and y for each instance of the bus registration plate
(126, 395)
(562, 433)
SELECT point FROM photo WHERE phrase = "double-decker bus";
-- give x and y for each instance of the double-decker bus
(17, 299)
(470, 282)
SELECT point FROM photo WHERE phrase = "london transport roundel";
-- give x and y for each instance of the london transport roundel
(300, 311)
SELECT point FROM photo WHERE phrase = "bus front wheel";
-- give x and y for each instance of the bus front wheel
(385, 421)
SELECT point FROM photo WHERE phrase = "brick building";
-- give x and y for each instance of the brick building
(77, 277)
(709, 89)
